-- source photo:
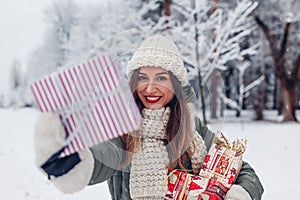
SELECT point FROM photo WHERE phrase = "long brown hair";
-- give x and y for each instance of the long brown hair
(179, 133)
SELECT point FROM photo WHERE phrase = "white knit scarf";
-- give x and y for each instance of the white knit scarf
(148, 166)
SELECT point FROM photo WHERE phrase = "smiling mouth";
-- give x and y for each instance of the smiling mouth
(151, 99)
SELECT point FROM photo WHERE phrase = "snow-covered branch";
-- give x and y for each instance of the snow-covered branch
(231, 103)
(229, 32)
(243, 89)
(254, 84)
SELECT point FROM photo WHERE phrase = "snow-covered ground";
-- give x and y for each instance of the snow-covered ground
(273, 150)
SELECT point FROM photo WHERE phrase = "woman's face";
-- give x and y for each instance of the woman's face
(154, 87)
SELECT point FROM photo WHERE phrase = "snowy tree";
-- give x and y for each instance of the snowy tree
(118, 27)
(208, 40)
(222, 34)
(52, 54)
(281, 26)
(243, 89)
(101, 28)
(17, 88)
(76, 33)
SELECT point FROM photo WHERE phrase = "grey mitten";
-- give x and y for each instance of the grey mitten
(237, 192)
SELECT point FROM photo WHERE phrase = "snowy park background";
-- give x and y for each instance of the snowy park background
(273, 151)
(35, 41)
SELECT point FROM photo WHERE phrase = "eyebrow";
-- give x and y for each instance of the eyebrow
(161, 73)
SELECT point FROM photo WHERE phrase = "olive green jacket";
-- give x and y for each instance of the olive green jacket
(108, 155)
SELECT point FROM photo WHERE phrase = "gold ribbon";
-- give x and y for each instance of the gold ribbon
(184, 186)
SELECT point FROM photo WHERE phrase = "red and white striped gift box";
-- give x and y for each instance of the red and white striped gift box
(93, 100)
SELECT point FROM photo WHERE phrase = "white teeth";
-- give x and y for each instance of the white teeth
(152, 98)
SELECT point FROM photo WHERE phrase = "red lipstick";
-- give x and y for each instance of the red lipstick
(152, 99)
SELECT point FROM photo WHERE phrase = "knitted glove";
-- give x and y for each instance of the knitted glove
(69, 174)
(237, 192)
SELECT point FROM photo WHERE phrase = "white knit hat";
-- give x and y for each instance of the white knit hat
(158, 51)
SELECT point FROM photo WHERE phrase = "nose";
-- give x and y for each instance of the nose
(150, 88)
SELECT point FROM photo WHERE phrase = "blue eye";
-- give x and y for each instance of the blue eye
(142, 78)
(162, 78)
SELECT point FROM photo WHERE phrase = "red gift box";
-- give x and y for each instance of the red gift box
(219, 171)
(182, 185)
(223, 161)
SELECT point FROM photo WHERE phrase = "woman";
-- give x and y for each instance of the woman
(136, 164)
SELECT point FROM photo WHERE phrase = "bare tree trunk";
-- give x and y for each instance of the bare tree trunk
(288, 81)
(167, 10)
(290, 95)
(202, 96)
(222, 103)
(278, 103)
(214, 81)
(275, 96)
(260, 99)
(200, 86)
(289, 90)
(214, 94)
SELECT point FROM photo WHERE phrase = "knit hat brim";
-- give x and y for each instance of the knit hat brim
(158, 51)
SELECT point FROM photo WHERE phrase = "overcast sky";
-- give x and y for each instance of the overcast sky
(22, 29)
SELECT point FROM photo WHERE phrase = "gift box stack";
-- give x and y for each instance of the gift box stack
(219, 171)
